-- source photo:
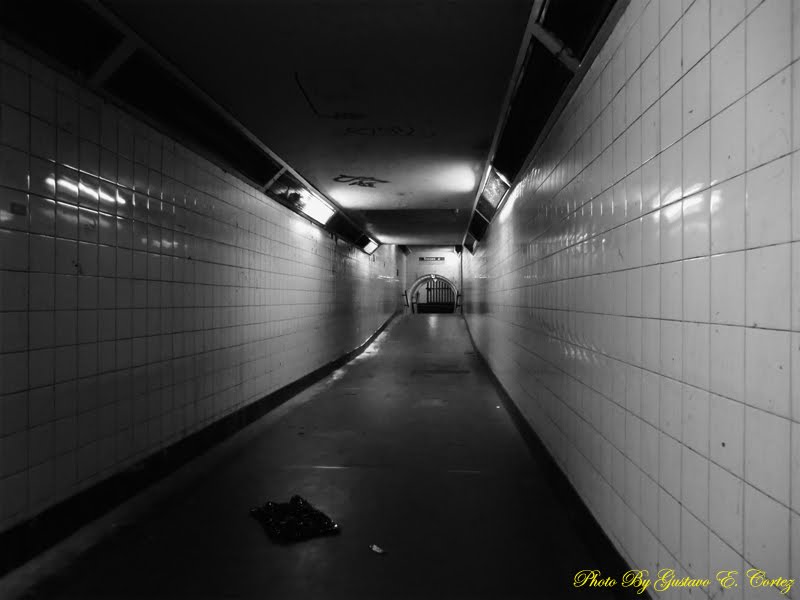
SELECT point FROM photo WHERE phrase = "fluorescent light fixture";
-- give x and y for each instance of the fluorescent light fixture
(371, 247)
(315, 208)
(495, 188)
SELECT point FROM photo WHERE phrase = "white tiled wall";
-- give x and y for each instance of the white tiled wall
(639, 296)
(144, 292)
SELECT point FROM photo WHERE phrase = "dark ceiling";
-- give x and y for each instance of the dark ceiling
(390, 108)
(404, 93)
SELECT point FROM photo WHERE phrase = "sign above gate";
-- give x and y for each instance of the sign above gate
(431, 258)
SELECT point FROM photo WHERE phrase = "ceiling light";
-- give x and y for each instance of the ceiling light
(495, 188)
(371, 246)
(315, 208)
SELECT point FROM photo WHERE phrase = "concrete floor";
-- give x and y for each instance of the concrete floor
(406, 447)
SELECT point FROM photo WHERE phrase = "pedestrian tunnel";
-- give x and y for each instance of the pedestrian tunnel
(494, 285)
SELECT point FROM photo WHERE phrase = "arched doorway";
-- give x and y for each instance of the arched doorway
(433, 294)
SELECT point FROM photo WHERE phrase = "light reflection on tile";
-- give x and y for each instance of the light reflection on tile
(710, 289)
(123, 265)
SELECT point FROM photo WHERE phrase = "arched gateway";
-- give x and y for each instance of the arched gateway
(440, 294)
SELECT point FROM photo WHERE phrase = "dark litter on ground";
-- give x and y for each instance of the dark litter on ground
(293, 521)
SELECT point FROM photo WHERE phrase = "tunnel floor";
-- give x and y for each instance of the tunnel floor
(407, 447)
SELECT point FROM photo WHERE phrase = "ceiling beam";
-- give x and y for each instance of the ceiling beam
(113, 61)
(538, 10)
(550, 40)
(556, 47)
(267, 185)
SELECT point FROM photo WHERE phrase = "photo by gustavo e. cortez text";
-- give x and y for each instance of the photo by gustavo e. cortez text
(667, 579)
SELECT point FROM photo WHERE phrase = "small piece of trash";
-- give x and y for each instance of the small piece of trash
(377, 549)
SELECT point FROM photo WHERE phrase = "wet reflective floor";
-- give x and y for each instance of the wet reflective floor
(407, 447)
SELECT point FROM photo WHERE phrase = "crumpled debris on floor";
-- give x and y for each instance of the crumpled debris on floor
(293, 521)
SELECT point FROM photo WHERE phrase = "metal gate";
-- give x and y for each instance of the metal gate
(439, 298)
(439, 292)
